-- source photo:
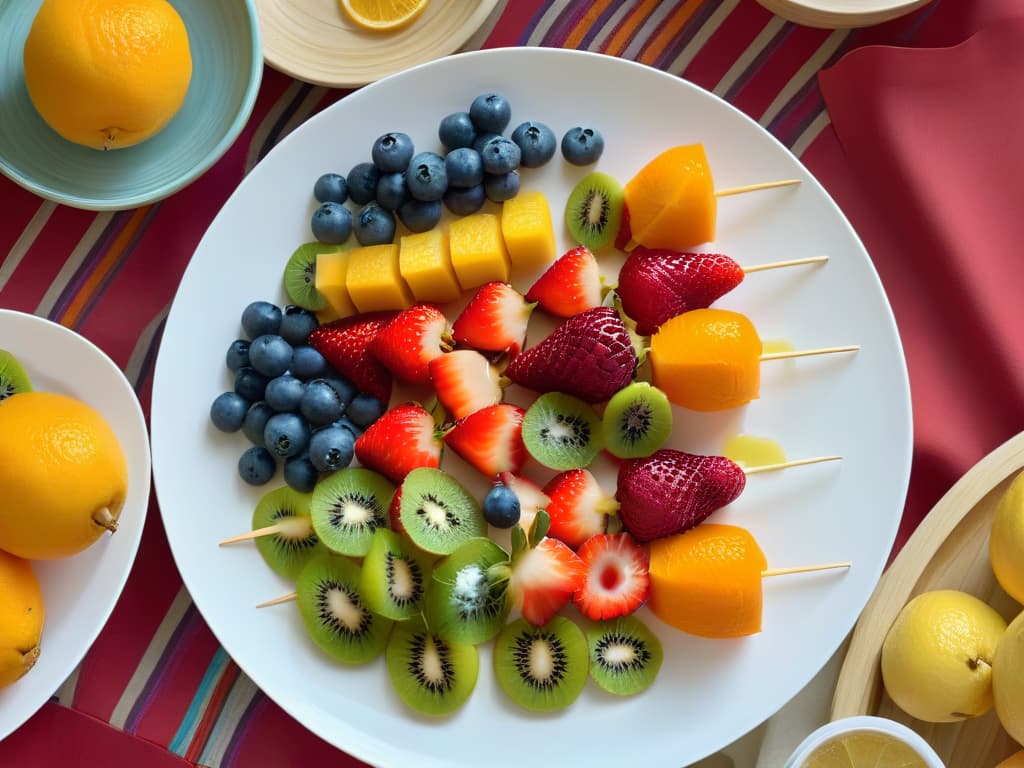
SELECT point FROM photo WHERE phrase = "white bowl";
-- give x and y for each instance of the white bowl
(841, 14)
(864, 723)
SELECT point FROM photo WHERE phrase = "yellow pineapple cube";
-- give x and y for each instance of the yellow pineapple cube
(528, 231)
(478, 250)
(373, 280)
(426, 266)
(331, 269)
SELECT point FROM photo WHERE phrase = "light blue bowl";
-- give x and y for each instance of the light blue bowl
(227, 64)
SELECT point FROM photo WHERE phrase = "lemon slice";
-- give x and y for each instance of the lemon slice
(383, 15)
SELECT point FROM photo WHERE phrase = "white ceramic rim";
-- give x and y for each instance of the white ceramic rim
(864, 723)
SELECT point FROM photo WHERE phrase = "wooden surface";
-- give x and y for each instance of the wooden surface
(949, 550)
(841, 14)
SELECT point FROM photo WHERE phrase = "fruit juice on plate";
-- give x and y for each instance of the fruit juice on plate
(864, 742)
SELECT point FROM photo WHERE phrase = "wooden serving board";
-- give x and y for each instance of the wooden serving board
(949, 550)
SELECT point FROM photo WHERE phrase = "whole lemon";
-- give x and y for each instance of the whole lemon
(63, 475)
(1008, 680)
(107, 73)
(21, 618)
(1006, 545)
(937, 656)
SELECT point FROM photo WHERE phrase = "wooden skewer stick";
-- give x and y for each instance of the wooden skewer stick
(807, 352)
(787, 464)
(755, 187)
(803, 569)
(787, 263)
(278, 600)
(269, 530)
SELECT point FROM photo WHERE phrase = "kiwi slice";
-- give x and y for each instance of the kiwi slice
(625, 655)
(431, 673)
(13, 379)
(348, 506)
(542, 668)
(300, 275)
(395, 576)
(637, 421)
(562, 432)
(334, 612)
(593, 211)
(295, 541)
(465, 601)
(437, 513)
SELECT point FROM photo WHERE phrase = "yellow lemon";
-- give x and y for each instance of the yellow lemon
(1006, 545)
(1008, 679)
(21, 618)
(63, 475)
(107, 73)
(937, 656)
(383, 15)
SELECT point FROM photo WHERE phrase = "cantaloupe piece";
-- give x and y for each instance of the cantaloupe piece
(426, 266)
(331, 271)
(478, 250)
(374, 281)
(528, 230)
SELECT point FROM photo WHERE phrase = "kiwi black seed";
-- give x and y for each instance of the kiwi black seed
(637, 421)
(334, 612)
(13, 379)
(437, 512)
(562, 432)
(465, 601)
(300, 275)
(430, 672)
(625, 655)
(348, 506)
(395, 575)
(593, 211)
(294, 542)
(542, 668)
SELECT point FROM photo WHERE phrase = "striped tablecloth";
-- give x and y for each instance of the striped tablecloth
(156, 688)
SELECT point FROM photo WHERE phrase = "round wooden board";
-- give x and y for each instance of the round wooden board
(949, 550)
(841, 14)
(314, 41)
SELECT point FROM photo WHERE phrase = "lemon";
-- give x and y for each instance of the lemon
(63, 475)
(937, 656)
(107, 73)
(383, 15)
(1008, 679)
(1006, 545)
(21, 618)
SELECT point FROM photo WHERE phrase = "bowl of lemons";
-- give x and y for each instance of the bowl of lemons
(115, 104)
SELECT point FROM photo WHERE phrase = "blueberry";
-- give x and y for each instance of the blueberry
(456, 130)
(228, 411)
(308, 364)
(392, 190)
(270, 355)
(286, 435)
(321, 403)
(582, 145)
(420, 215)
(331, 223)
(346, 389)
(238, 354)
(250, 383)
(364, 410)
(500, 155)
(300, 474)
(348, 424)
(536, 142)
(331, 188)
(502, 187)
(490, 112)
(374, 225)
(256, 466)
(331, 448)
(464, 167)
(463, 202)
(261, 317)
(392, 152)
(296, 325)
(482, 138)
(426, 177)
(362, 183)
(255, 423)
(284, 393)
(501, 506)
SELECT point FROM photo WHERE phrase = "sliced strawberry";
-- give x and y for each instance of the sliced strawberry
(544, 579)
(531, 498)
(617, 582)
(345, 344)
(494, 320)
(408, 343)
(394, 511)
(579, 508)
(625, 233)
(490, 439)
(401, 440)
(465, 381)
(570, 285)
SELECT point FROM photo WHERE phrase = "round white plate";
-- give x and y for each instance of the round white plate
(709, 692)
(79, 592)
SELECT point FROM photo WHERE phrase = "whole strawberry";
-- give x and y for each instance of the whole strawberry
(345, 344)
(671, 491)
(411, 340)
(590, 356)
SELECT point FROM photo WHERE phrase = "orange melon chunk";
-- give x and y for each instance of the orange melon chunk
(478, 251)
(528, 230)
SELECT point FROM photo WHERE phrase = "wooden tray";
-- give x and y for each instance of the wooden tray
(841, 14)
(949, 550)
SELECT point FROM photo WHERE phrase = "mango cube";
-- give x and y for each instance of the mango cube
(478, 250)
(528, 231)
(373, 280)
(330, 282)
(426, 266)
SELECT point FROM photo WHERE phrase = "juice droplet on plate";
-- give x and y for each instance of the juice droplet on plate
(753, 451)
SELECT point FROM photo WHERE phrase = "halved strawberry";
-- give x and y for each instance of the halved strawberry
(401, 440)
(465, 381)
(531, 498)
(490, 439)
(494, 320)
(570, 285)
(617, 582)
(345, 344)
(394, 511)
(578, 507)
(544, 579)
(411, 340)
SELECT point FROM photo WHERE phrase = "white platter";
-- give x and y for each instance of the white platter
(709, 692)
(79, 592)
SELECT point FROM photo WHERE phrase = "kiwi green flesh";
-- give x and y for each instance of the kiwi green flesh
(395, 576)
(593, 211)
(287, 551)
(334, 612)
(464, 603)
(348, 506)
(437, 512)
(637, 421)
(300, 275)
(562, 432)
(625, 656)
(13, 379)
(431, 673)
(542, 668)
